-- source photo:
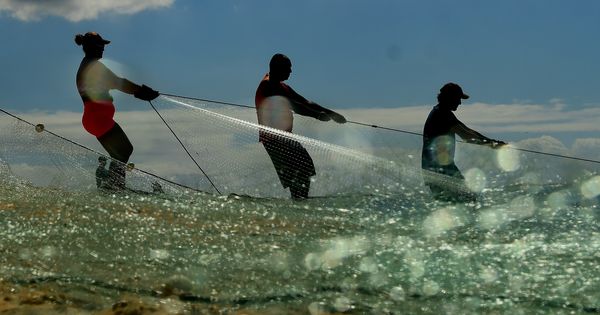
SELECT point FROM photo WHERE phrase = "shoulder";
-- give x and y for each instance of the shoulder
(95, 66)
(441, 116)
(442, 112)
(264, 83)
(286, 87)
(269, 88)
(435, 112)
(264, 87)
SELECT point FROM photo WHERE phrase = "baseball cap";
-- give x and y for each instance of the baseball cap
(95, 38)
(453, 89)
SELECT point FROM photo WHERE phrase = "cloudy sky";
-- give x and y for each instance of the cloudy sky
(530, 66)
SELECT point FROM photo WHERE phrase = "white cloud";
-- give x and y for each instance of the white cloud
(588, 148)
(76, 10)
(498, 118)
(530, 117)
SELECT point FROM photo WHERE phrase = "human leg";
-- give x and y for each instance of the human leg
(300, 187)
(448, 184)
(293, 164)
(118, 146)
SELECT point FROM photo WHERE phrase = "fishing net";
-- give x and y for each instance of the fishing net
(394, 251)
(224, 141)
(40, 158)
(220, 153)
(226, 155)
(351, 158)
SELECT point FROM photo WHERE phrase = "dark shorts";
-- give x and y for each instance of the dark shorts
(291, 160)
(445, 191)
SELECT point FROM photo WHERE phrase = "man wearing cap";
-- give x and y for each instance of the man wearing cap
(439, 137)
(94, 81)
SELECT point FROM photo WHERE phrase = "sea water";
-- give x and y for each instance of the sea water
(374, 242)
(196, 253)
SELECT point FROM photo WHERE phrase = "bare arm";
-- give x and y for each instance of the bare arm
(124, 85)
(127, 86)
(121, 84)
(304, 107)
(472, 136)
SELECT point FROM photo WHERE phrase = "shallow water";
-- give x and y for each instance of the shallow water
(528, 246)
(376, 254)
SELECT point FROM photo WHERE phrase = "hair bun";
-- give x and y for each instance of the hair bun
(79, 39)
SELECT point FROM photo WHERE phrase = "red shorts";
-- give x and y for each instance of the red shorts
(98, 117)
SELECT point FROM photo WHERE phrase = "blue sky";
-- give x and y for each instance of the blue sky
(530, 66)
(345, 53)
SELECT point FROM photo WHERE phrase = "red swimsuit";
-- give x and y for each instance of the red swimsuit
(98, 117)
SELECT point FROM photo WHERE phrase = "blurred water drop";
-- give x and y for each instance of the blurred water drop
(475, 179)
(431, 288)
(342, 304)
(397, 294)
(316, 308)
(159, 254)
(442, 220)
(368, 265)
(488, 275)
(591, 187)
(312, 261)
(508, 159)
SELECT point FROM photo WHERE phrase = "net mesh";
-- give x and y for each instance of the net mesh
(45, 159)
(224, 142)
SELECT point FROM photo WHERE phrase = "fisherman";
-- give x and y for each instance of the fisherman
(439, 137)
(102, 174)
(292, 162)
(94, 81)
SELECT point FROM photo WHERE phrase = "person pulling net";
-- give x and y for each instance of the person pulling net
(439, 142)
(275, 103)
(94, 82)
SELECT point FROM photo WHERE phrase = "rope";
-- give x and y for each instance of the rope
(184, 148)
(385, 128)
(392, 129)
(210, 101)
(98, 153)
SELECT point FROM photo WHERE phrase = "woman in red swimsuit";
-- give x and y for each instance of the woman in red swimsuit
(94, 81)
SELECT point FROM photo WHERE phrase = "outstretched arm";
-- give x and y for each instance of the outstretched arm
(304, 107)
(472, 136)
(127, 86)
(142, 92)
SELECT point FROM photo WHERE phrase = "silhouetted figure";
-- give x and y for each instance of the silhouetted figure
(439, 138)
(94, 81)
(102, 174)
(275, 103)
